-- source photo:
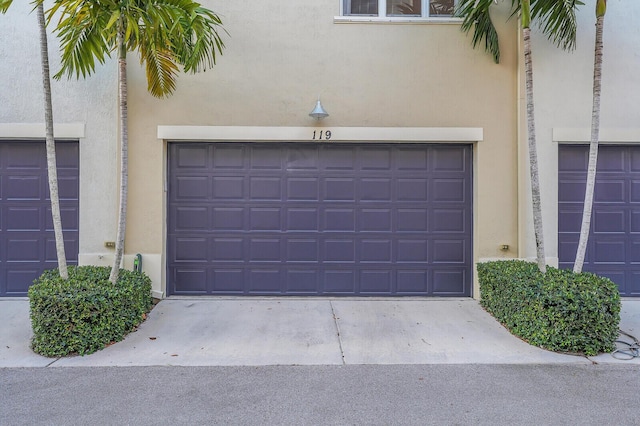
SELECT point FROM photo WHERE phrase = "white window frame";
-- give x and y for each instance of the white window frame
(384, 17)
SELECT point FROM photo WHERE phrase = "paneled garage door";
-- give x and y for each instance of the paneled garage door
(614, 242)
(27, 244)
(319, 219)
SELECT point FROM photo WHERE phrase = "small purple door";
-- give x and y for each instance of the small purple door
(614, 241)
(319, 219)
(27, 244)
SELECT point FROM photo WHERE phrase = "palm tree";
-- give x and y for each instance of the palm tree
(166, 33)
(601, 9)
(52, 169)
(557, 20)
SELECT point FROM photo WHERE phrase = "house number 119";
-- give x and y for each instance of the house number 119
(321, 135)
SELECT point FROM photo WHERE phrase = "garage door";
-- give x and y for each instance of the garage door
(27, 244)
(614, 242)
(319, 219)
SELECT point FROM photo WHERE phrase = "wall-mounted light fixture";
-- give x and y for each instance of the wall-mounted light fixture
(318, 112)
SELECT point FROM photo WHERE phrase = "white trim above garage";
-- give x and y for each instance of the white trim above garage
(321, 134)
(37, 131)
(582, 135)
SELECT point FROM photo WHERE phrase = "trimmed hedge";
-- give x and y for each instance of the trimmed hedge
(86, 312)
(559, 311)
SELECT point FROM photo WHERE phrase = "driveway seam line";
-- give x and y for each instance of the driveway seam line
(335, 322)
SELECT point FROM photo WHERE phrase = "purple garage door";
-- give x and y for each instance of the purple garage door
(614, 241)
(321, 219)
(27, 244)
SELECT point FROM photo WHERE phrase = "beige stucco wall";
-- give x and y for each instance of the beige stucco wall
(281, 55)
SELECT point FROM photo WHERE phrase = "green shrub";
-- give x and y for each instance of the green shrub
(559, 311)
(86, 312)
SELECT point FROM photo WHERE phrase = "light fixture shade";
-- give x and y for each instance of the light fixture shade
(318, 112)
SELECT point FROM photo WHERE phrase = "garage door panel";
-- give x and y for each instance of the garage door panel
(413, 281)
(611, 160)
(412, 159)
(227, 250)
(572, 190)
(450, 221)
(449, 251)
(412, 189)
(228, 157)
(191, 280)
(613, 249)
(302, 281)
(265, 219)
(634, 196)
(375, 220)
(70, 246)
(24, 218)
(23, 248)
(338, 159)
(302, 219)
(376, 281)
(375, 189)
(23, 188)
(302, 250)
(191, 187)
(374, 158)
(612, 191)
(340, 250)
(340, 189)
(339, 281)
(18, 275)
(266, 280)
(412, 220)
(228, 280)
(68, 188)
(339, 219)
(633, 286)
(265, 188)
(228, 188)
(450, 160)
(192, 157)
(449, 190)
(228, 219)
(26, 234)
(321, 219)
(303, 189)
(377, 251)
(447, 281)
(414, 250)
(606, 222)
(190, 249)
(190, 219)
(302, 158)
(264, 250)
(266, 158)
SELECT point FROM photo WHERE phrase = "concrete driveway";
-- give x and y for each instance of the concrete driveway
(270, 331)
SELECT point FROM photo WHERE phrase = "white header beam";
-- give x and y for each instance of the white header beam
(321, 134)
(37, 131)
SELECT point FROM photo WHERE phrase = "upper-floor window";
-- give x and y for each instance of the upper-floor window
(399, 8)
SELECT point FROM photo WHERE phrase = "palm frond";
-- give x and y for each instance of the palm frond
(161, 69)
(557, 20)
(4, 5)
(475, 16)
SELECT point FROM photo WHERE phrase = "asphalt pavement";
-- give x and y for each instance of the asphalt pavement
(435, 394)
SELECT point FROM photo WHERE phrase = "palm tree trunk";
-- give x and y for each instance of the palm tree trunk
(124, 136)
(50, 146)
(531, 130)
(593, 148)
